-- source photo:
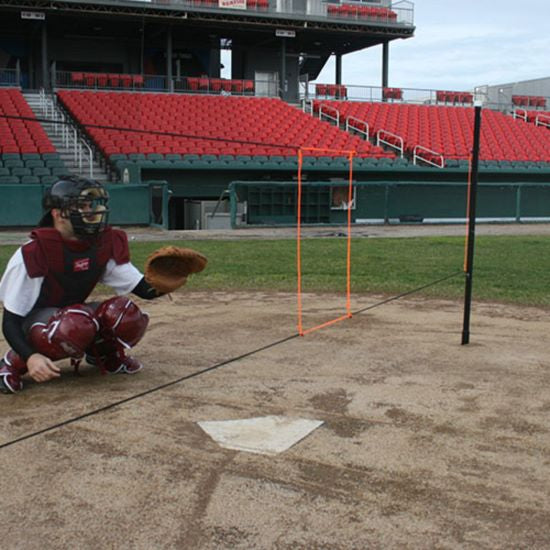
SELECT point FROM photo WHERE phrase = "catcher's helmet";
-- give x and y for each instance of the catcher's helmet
(82, 201)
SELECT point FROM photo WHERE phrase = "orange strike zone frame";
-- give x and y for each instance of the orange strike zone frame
(347, 315)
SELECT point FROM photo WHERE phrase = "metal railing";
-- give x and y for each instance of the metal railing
(395, 143)
(387, 13)
(542, 120)
(357, 125)
(329, 113)
(161, 83)
(70, 134)
(434, 154)
(10, 77)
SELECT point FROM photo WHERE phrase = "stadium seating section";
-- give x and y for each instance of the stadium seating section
(448, 130)
(26, 153)
(529, 101)
(219, 85)
(358, 11)
(331, 91)
(106, 80)
(392, 93)
(172, 128)
(454, 98)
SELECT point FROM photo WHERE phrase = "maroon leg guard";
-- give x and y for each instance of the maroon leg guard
(121, 326)
(67, 333)
(12, 367)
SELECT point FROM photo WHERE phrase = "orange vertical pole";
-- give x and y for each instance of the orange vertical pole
(348, 260)
(348, 314)
(299, 242)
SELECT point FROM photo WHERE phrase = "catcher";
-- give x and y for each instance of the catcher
(47, 281)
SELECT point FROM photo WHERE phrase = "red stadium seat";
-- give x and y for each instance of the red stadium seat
(248, 86)
(204, 84)
(215, 84)
(193, 83)
(90, 79)
(126, 80)
(77, 78)
(102, 79)
(137, 80)
(237, 86)
(266, 119)
(448, 130)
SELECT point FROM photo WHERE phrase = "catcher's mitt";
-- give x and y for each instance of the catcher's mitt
(167, 268)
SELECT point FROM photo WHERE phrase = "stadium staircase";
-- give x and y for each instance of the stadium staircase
(75, 157)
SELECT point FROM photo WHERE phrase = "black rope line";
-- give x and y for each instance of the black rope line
(158, 133)
(144, 393)
(202, 371)
(218, 365)
(409, 292)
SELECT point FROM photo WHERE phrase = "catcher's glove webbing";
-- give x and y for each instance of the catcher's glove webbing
(167, 268)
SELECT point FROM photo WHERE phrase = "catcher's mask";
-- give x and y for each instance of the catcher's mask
(80, 200)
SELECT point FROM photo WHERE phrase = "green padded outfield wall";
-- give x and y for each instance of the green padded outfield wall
(21, 205)
(377, 202)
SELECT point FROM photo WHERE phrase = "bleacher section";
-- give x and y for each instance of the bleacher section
(256, 129)
(26, 153)
(359, 11)
(448, 130)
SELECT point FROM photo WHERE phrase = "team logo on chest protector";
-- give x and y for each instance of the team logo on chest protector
(81, 264)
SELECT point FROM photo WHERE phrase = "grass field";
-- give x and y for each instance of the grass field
(511, 269)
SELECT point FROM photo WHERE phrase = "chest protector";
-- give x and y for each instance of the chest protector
(71, 269)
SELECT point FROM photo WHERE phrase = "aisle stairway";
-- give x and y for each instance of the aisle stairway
(66, 152)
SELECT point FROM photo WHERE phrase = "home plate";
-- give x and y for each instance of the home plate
(267, 435)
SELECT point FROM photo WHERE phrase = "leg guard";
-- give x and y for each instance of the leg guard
(121, 326)
(12, 367)
(66, 334)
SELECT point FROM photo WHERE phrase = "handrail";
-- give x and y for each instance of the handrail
(349, 126)
(82, 142)
(435, 153)
(67, 131)
(540, 122)
(520, 113)
(380, 139)
(336, 119)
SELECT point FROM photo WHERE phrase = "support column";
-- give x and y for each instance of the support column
(215, 58)
(385, 63)
(338, 76)
(283, 83)
(44, 51)
(169, 79)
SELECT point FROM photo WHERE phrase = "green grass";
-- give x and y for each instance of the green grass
(506, 269)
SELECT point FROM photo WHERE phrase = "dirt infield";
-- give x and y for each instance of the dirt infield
(426, 443)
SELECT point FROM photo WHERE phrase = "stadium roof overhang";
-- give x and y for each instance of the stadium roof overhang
(313, 35)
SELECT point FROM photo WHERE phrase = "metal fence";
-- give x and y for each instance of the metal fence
(10, 77)
(378, 12)
(161, 83)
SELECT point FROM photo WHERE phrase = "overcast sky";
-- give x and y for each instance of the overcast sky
(460, 44)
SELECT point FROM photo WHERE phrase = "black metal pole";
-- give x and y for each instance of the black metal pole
(472, 196)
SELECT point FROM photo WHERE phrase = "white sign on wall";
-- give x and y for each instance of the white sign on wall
(233, 4)
(39, 15)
